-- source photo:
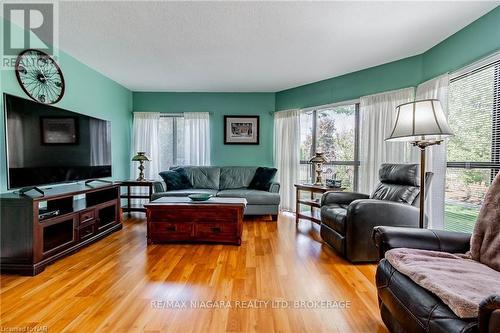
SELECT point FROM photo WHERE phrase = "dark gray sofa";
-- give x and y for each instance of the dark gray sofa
(228, 181)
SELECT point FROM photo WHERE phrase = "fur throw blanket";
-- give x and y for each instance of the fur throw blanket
(461, 281)
(438, 271)
(485, 241)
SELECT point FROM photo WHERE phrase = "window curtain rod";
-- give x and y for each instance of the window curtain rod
(331, 105)
(172, 114)
(272, 113)
(324, 106)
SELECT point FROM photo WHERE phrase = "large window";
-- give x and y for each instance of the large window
(171, 141)
(333, 131)
(474, 152)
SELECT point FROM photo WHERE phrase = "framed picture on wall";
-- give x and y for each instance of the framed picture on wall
(59, 130)
(241, 130)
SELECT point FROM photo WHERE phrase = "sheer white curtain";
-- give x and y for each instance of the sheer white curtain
(197, 138)
(436, 155)
(145, 138)
(286, 154)
(377, 117)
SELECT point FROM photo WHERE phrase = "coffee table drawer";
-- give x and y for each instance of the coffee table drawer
(173, 230)
(211, 214)
(215, 230)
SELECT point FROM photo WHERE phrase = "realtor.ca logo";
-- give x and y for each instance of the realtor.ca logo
(28, 25)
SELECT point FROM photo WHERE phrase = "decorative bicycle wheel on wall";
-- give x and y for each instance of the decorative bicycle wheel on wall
(39, 76)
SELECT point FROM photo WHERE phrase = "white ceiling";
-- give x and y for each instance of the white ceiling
(251, 46)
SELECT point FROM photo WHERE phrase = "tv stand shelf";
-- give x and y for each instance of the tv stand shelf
(77, 215)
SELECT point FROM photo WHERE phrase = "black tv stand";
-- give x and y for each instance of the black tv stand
(27, 189)
(98, 180)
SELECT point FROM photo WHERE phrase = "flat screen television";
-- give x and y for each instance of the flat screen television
(48, 145)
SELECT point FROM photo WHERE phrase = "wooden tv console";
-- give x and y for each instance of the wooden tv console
(30, 242)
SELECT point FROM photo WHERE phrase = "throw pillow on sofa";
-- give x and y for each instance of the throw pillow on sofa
(176, 179)
(262, 179)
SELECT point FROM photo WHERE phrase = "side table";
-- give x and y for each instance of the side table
(129, 184)
(314, 201)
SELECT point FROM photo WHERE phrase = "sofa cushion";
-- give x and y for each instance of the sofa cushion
(202, 177)
(254, 197)
(262, 179)
(335, 217)
(236, 177)
(183, 193)
(175, 179)
(392, 192)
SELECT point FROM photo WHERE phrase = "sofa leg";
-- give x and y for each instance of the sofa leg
(274, 217)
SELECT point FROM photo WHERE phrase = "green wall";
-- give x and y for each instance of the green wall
(475, 41)
(87, 92)
(394, 75)
(220, 104)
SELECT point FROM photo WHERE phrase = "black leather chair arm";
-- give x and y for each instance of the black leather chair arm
(158, 187)
(386, 238)
(345, 198)
(489, 315)
(365, 214)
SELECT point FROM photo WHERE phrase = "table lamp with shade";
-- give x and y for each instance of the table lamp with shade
(318, 160)
(141, 158)
(423, 124)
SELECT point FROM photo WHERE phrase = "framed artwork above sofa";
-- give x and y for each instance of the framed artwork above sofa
(241, 130)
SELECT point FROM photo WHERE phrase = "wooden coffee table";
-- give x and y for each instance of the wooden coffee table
(178, 219)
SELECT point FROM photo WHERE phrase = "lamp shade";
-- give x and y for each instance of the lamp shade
(318, 158)
(420, 121)
(141, 156)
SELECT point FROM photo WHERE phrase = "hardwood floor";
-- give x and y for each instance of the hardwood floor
(120, 284)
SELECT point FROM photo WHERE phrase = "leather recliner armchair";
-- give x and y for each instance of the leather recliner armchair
(407, 307)
(348, 218)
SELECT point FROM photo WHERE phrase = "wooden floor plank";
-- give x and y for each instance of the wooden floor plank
(120, 284)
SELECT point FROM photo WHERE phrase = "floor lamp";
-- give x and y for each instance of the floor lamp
(423, 123)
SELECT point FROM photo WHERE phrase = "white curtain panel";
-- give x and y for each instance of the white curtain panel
(145, 138)
(436, 155)
(197, 138)
(377, 117)
(287, 154)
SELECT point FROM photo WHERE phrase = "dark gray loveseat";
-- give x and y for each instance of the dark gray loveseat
(228, 181)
